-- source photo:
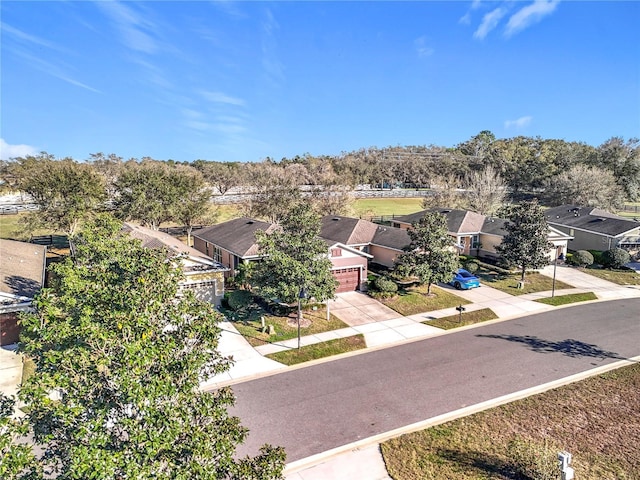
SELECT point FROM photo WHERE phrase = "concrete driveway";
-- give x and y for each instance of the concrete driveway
(355, 308)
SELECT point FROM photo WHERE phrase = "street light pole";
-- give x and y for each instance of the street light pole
(555, 265)
(301, 294)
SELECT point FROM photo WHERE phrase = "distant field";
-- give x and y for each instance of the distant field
(386, 206)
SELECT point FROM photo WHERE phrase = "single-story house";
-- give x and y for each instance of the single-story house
(351, 244)
(479, 235)
(595, 229)
(203, 275)
(463, 225)
(22, 275)
(231, 242)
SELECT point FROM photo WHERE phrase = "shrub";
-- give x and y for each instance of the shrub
(386, 285)
(239, 299)
(615, 258)
(597, 256)
(582, 258)
(533, 460)
(471, 266)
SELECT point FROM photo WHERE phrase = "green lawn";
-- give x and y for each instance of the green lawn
(596, 420)
(414, 300)
(386, 206)
(319, 350)
(285, 327)
(533, 282)
(468, 318)
(621, 277)
(567, 299)
(10, 228)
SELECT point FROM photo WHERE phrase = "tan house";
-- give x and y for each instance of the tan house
(478, 235)
(202, 275)
(351, 244)
(22, 275)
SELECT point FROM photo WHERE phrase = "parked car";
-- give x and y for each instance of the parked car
(463, 280)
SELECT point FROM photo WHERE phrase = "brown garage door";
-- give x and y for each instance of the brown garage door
(349, 279)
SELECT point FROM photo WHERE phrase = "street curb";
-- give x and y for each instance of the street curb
(319, 458)
(311, 363)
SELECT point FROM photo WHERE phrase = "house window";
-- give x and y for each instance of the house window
(217, 254)
(336, 252)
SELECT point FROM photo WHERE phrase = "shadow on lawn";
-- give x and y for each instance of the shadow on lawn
(569, 347)
(483, 462)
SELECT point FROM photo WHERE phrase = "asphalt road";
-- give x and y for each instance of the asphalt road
(314, 409)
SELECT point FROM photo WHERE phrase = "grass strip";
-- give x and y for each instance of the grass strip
(468, 318)
(319, 350)
(620, 277)
(567, 299)
(595, 419)
(533, 282)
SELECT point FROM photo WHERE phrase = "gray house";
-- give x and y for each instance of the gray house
(595, 229)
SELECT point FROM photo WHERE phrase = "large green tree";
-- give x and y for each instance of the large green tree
(431, 255)
(66, 192)
(146, 192)
(295, 259)
(526, 244)
(122, 355)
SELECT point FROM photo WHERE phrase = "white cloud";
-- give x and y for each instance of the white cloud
(219, 97)
(529, 15)
(518, 123)
(135, 30)
(8, 151)
(489, 22)
(421, 47)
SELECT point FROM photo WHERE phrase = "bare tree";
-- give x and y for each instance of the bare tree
(485, 190)
(583, 185)
(445, 193)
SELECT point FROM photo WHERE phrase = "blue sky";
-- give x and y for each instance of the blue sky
(240, 81)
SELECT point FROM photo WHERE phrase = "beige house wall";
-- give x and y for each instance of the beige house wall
(383, 255)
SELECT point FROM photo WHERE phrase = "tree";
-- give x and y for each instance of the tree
(445, 194)
(584, 185)
(194, 203)
(485, 190)
(295, 259)
(66, 192)
(615, 258)
(431, 255)
(124, 355)
(16, 458)
(145, 192)
(526, 243)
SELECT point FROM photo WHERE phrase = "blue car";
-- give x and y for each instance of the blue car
(463, 280)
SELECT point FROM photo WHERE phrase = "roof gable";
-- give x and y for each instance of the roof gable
(458, 221)
(237, 236)
(347, 230)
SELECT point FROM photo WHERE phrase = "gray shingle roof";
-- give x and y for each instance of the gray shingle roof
(237, 236)
(347, 230)
(391, 237)
(590, 219)
(458, 221)
(155, 239)
(22, 267)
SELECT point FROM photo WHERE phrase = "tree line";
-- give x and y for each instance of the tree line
(476, 174)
